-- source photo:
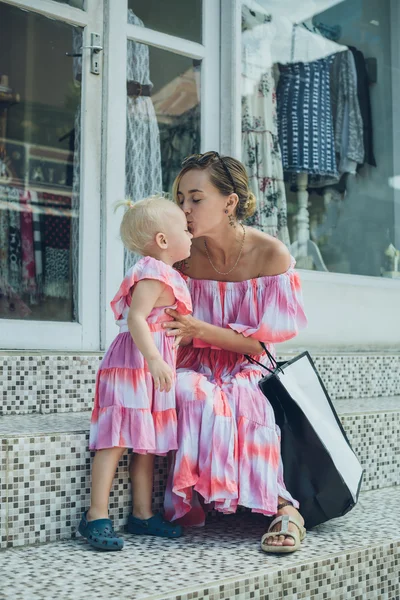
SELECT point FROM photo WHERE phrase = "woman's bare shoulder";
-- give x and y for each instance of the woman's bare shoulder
(271, 255)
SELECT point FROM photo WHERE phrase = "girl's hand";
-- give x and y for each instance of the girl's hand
(162, 374)
(182, 327)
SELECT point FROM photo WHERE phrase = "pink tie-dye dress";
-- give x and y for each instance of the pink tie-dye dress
(228, 442)
(128, 412)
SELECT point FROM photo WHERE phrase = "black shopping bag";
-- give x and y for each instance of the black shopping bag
(320, 468)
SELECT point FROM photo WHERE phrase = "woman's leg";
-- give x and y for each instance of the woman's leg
(283, 540)
(104, 466)
(141, 473)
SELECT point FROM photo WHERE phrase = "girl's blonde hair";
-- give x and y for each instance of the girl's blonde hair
(143, 220)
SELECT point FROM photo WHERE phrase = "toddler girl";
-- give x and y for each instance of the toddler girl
(135, 386)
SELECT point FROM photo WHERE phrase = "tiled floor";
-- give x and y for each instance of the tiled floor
(225, 554)
(367, 405)
(36, 424)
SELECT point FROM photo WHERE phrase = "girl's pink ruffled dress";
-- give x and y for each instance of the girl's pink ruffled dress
(228, 442)
(128, 412)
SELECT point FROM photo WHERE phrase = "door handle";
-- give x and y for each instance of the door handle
(95, 47)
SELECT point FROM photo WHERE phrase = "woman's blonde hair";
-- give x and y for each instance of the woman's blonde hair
(227, 174)
(143, 220)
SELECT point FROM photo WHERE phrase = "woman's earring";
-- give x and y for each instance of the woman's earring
(226, 211)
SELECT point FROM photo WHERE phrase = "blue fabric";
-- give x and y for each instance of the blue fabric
(305, 121)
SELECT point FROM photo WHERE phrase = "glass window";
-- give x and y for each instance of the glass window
(319, 124)
(177, 17)
(163, 118)
(39, 166)
(75, 3)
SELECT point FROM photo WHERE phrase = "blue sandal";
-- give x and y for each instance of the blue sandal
(154, 526)
(100, 534)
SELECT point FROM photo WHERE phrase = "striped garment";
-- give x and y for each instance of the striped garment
(305, 120)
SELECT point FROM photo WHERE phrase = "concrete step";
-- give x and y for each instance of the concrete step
(45, 468)
(356, 557)
(47, 383)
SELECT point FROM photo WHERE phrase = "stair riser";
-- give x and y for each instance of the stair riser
(65, 383)
(369, 574)
(46, 479)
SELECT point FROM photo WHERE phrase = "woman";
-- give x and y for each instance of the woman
(244, 291)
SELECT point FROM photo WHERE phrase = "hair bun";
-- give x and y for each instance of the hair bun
(249, 207)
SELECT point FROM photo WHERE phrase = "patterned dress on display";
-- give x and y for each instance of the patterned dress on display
(261, 153)
(143, 152)
(305, 120)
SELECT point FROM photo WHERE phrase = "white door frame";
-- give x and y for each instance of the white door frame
(117, 33)
(84, 335)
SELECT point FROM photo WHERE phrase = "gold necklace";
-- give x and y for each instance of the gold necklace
(238, 258)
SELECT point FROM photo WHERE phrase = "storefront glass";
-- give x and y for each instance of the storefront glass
(177, 17)
(163, 119)
(75, 3)
(40, 98)
(320, 122)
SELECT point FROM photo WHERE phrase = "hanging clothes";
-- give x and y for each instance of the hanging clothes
(348, 123)
(14, 240)
(364, 100)
(261, 153)
(4, 233)
(37, 241)
(305, 118)
(27, 246)
(178, 139)
(143, 152)
(57, 243)
(77, 41)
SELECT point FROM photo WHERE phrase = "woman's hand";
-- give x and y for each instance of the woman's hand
(182, 327)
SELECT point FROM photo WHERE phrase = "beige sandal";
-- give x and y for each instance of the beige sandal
(298, 536)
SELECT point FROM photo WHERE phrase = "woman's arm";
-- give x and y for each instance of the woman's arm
(226, 339)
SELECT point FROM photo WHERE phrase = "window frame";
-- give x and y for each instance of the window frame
(84, 334)
(118, 31)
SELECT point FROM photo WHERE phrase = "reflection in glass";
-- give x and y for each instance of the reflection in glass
(317, 130)
(75, 3)
(176, 17)
(163, 118)
(39, 175)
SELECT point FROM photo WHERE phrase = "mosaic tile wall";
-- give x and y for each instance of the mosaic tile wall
(367, 575)
(47, 483)
(47, 486)
(375, 438)
(47, 384)
(62, 383)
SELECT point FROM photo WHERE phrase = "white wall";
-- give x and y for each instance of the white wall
(352, 313)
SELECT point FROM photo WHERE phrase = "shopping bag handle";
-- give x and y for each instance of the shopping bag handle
(271, 359)
(255, 362)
